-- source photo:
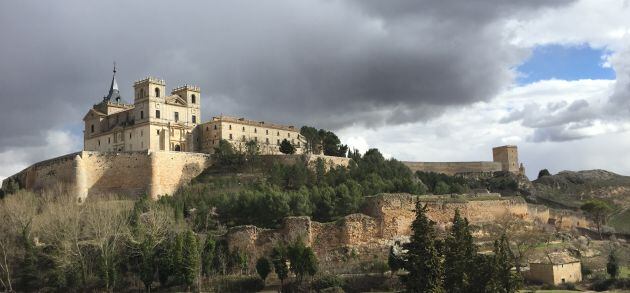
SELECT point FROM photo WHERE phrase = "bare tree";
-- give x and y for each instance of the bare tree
(522, 236)
(106, 226)
(16, 216)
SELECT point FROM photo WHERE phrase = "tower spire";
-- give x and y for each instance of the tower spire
(113, 88)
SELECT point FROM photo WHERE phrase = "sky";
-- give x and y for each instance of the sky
(418, 79)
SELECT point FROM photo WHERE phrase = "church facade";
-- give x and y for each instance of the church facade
(160, 122)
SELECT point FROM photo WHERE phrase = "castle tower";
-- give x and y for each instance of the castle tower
(114, 93)
(507, 155)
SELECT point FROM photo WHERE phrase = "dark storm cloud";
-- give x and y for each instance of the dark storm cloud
(325, 63)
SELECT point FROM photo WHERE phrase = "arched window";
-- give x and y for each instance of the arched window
(178, 148)
(141, 94)
(193, 98)
(157, 92)
(92, 128)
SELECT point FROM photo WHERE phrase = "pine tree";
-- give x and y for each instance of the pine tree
(286, 147)
(422, 260)
(191, 258)
(459, 256)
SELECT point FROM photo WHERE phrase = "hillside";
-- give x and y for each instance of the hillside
(571, 189)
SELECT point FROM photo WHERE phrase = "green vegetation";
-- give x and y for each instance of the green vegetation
(319, 191)
(323, 141)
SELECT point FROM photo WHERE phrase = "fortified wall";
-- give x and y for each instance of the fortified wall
(130, 173)
(386, 218)
(504, 158)
(452, 168)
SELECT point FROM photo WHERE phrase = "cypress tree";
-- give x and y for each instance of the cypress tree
(207, 256)
(612, 267)
(191, 258)
(502, 279)
(459, 256)
(422, 260)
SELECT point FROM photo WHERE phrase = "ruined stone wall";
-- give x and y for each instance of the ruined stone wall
(452, 168)
(386, 219)
(128, 173)
(396, 211)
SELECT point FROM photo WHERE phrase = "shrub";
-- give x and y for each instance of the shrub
(327, 281)
(239, 284)
(603, 285)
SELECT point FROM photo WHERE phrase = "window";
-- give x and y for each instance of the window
(109, 140)
(99, 142)
(267, 131)
(215, 127)
(207, 129)
(255, 130)
(194, 119)
(288, 134)
(141, 114)
(278, 142)
(141, 94)
(92, 128)
(267, 140)
(176, 116)
(193, 98)
(158, 132)
(243, 128)
(230, 136)
(157, 92)
(141, 133)
(129, 134)
(278, 133)
(157, 114)
(256, 139)
(230, 126)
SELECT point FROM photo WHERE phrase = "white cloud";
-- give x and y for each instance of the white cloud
(56, 143)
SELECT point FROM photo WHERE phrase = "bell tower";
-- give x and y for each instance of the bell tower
(149, 88)
(190, 93)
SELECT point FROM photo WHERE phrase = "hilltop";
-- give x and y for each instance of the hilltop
(570, 189)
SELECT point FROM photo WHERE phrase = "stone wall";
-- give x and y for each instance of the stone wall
(452, 168)
(311, 159)
(128, 173)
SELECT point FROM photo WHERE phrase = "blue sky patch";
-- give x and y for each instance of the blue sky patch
(564, 62)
